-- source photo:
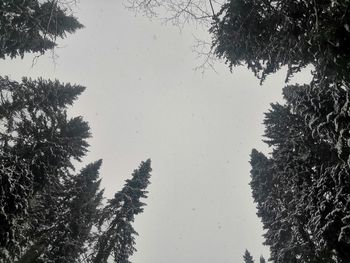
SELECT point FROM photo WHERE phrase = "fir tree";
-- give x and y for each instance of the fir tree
(33, 26)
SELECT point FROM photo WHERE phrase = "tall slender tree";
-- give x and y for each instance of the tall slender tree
(117, 237)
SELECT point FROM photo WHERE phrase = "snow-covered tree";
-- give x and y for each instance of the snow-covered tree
(266, 35)
(302, 188)
(47, 212)
(117, 236)
(61, 220)
(38, 143)
(33, 26)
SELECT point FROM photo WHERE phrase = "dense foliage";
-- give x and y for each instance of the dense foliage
(38, 142)
(266, 35)
(48, 213)
(33, 26)
(302, 190)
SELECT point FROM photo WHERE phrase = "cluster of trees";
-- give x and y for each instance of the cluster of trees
(302, 188)
(49, 212)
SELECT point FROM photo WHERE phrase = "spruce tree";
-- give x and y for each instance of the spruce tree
(117, 233)
(326, 115)
(38, 143)
(33, 26)
(300, 190)
(266, 35)
(247, 257)
(73, 210)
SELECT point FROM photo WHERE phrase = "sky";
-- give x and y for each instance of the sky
(145, 100)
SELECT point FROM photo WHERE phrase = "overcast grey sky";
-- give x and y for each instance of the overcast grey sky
(144, 99)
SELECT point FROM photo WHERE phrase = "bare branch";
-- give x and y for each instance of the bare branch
(181, 13)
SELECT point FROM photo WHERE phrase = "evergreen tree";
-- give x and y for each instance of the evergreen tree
(326, 115)
(247, 257)
(301, 189)
(117, 236)
(48, 213)
(38, 142)
(33, 26)
(72, 213)
(262, 259)
(266, 35)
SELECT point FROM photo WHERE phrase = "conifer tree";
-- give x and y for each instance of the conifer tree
(117, 236)
(301, 189)
(262, 259)
(266, 35)
(33, 26)
(38, 143)
(326, 116)
(72, 212)
(247, 257)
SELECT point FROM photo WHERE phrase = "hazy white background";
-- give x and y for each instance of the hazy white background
(144, 99)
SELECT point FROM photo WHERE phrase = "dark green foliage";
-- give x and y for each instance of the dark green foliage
(266, 35)
(247, 257)
(302, 190)
(32, 26)
(117, 237)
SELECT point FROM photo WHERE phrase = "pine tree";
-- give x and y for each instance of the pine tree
(33, 26)
(117, 233)
(247, 257)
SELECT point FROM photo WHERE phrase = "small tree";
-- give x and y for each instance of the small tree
(262, 259)
(247, 257)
